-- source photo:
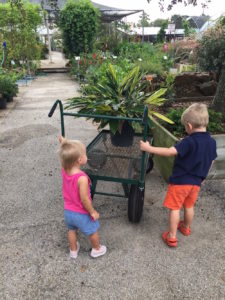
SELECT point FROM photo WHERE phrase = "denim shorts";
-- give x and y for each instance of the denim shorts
(83, 222)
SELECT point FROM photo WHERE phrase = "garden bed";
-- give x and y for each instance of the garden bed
(180, 104)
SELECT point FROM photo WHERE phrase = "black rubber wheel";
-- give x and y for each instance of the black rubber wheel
(135, 203)
(150, 165)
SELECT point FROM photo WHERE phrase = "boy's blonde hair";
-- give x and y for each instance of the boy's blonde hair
(69, 152)
(196, 114)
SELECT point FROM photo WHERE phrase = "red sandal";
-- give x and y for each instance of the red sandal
(171, 242)
(184, 230)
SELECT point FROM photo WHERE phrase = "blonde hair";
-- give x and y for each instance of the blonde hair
(69, 152)
(196, 114)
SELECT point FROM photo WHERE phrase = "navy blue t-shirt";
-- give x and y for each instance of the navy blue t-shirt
(195, 155)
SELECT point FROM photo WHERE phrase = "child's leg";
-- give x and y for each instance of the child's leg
(72, 238)
(94, 239)
(97, 249)
(188, 216)
(173, 223)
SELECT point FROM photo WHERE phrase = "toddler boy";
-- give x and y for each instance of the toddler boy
(194, 157)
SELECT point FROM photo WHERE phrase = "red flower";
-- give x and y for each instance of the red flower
(94, 56)
(80, 62)
(90, 62)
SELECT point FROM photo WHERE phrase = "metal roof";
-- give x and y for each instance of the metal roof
(108, 14)
(155, 30)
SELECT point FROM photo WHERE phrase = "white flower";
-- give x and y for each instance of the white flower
(139, 59)
(77, 57)
(114, 56)
(165, 57)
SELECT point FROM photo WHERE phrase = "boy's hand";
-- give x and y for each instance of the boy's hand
(145, 146)
(95, 215)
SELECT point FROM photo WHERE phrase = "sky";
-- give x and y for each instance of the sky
(215, 8)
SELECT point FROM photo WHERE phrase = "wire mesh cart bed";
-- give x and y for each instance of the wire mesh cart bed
(125, 165)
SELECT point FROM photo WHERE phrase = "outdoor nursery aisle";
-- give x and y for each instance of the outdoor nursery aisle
(34, 260)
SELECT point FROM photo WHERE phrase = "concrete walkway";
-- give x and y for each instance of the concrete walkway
(34, 261)
(58, 61)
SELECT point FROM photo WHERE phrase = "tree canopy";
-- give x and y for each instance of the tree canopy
(18, 22)
(204, 3)
(145, 22)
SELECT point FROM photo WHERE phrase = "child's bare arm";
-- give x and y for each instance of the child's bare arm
(145, 146)
(61, 139)
(83, 189)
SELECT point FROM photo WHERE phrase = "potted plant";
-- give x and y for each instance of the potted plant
(116, 96)
(3, 102)
(8, 87)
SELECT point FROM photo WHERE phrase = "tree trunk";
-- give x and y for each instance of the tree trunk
(219, 99)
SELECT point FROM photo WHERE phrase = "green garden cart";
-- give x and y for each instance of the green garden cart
(107, 162)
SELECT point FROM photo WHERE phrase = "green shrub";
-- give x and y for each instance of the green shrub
(78, 22)
(178, 130)
(44, 51)
(18, 22)
(150, 58)
(211, 50)
(8, 87)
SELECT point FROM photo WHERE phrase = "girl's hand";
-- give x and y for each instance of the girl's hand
(95, 215)
(145, 146)
(61, 139)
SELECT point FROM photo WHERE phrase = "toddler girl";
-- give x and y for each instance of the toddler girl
(78, 210)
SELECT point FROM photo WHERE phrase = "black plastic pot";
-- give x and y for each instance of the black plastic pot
(3, 102)
(9, 98)
(125, 138)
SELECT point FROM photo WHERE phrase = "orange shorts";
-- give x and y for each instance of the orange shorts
(181, 195)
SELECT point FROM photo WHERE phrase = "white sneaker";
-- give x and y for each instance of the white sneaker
(101, 251)
(74, 254)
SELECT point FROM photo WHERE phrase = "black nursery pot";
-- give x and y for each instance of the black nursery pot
(9, 98)
(3, 102)
(125, 138)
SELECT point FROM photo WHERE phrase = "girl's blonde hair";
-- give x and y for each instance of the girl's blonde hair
(69, 152)
(196, 114)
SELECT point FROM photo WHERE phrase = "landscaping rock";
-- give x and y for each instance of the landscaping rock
(208, 88)
(194, 84)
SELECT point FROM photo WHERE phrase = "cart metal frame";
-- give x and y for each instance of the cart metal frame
(133, 187)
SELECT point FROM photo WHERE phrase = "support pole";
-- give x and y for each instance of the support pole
(49, 42)
(143, 19)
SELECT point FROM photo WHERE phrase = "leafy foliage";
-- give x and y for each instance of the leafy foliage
(211, 50)
(148, 57)
(178, 129)
(204, 3)
(117, 96)
(8, 87)
(145, 22)
(18, 23)
(78, 22)
(161, 35)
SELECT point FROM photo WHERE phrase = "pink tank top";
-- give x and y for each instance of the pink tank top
(71, 193)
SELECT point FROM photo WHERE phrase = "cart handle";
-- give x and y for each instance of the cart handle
(143, 119)
(145, 116)
(54, 107)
